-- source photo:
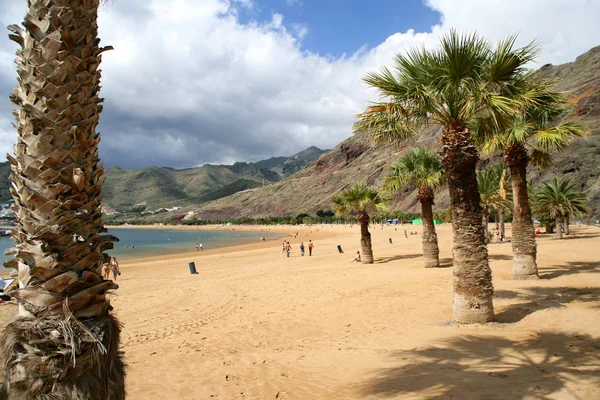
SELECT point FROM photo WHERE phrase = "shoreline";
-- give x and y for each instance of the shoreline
(317, 233)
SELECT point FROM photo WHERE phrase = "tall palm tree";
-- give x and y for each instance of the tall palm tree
(531, 138)
(362, 200)
(453, 86)
(489, 183)
(64, 344)
(422, 168)
(558, 199)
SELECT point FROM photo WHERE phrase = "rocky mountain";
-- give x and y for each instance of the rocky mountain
(313, 187)
(159, 186)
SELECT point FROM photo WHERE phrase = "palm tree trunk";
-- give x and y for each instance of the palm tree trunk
(64, 344)
(559, 222)
(497, 219)
(567, 223)
(502, 228)
(523, 232)
(485, 222)
(473, 288)
(431, 251)
(365, 240)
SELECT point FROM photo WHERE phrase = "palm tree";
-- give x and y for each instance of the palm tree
(489, 183)
(422, 168)
(559, 199)
(531, 138)
(362, 200)
(64, 343)
(452, 87)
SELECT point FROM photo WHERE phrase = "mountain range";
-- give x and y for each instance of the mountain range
(161, 186)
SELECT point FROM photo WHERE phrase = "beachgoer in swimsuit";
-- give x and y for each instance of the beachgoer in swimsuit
(288, 249)
(106, 269)
(357, 258)
(115, 268)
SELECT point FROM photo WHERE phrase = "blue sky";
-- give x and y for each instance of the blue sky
(335, 27)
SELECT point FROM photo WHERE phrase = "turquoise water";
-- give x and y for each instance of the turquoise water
(156, 242)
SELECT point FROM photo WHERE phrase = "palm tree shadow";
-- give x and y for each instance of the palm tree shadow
(500, 257)
(383, 260)
(583, 235)
(541, 298)
(484, 367)
(571, 268)
(446, 263)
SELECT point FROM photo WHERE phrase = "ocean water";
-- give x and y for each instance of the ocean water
(137, 243)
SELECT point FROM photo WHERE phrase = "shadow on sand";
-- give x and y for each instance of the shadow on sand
(574, 267)
(487, 367)
(383, 260)
(541, 298)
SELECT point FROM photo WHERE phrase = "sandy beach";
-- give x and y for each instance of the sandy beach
(254, 324)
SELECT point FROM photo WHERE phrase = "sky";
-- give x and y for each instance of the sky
(219, 81)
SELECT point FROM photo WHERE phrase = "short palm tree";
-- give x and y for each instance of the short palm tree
(559, 199)
(489, 183)
(362, 200)
(453, 87)
(420, 167)
(64, 344)
(530, 138)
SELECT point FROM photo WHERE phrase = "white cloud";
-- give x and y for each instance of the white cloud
(292, 3)
(188, 83)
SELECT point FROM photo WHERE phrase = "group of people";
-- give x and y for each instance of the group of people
(286, 248)
(111, 266)
(199, 246)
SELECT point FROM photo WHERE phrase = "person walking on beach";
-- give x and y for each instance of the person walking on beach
(201, 247)
(106, 268)
(311, 246)
(288, 249)
(302, 249)
(115, 268)
(196, 246)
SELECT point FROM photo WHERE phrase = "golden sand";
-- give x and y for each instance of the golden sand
(254, 324)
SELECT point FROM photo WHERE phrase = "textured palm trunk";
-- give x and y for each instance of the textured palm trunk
(473, 288)
(64, 344)
(559, 225)
(502, 228)
(365, 239)
(485, 221)
(497, 220)
(431, 251)
(567, 223)
(523, 232)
